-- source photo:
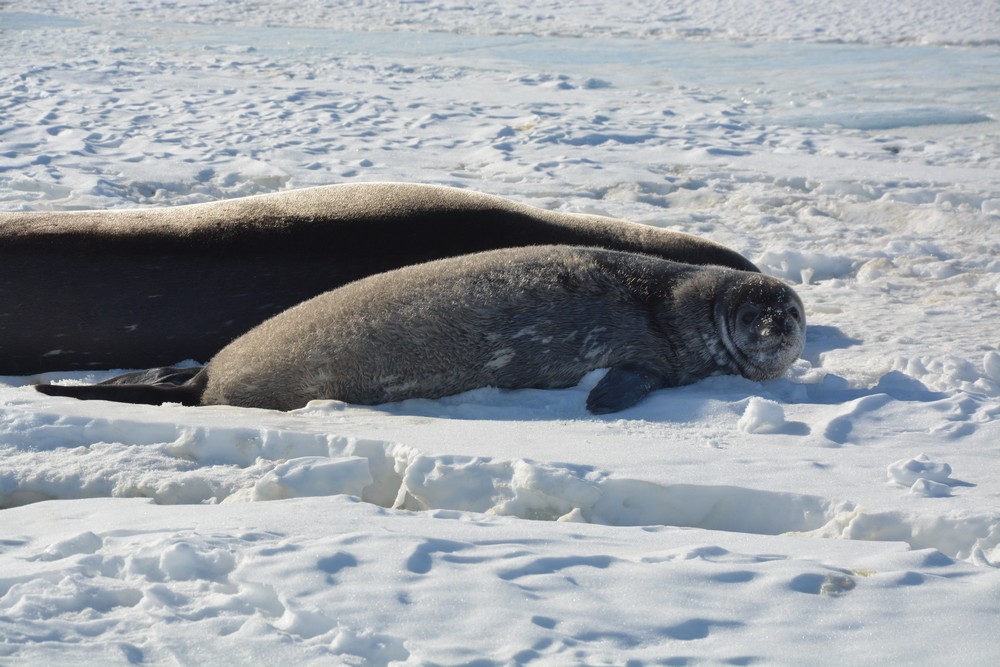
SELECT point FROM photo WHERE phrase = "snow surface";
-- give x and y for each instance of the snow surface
(848, 513)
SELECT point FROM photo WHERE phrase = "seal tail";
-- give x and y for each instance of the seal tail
(188, 393)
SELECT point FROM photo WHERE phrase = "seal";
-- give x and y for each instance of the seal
(138, 288)
(526, 317)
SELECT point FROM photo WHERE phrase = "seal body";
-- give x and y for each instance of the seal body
(527, 317)
(139, 288)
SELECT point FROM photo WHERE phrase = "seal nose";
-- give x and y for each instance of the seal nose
(777, 323)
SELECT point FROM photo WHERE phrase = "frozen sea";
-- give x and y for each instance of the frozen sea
(847, 513)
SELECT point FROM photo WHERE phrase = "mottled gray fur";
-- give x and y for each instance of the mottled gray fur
(527, 317)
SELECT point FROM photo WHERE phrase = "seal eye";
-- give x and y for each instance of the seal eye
(748, 314)
(793, 312)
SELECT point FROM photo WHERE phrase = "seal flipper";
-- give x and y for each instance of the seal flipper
(624, 386)
(188, 393)
(168, 375)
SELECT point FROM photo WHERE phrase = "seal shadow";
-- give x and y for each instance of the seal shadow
(822, 338)
(894, 385)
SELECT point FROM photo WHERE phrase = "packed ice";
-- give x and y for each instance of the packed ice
(851, 149)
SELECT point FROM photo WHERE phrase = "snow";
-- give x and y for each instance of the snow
(846, 513)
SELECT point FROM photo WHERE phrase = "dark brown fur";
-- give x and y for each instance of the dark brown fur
(137, 288)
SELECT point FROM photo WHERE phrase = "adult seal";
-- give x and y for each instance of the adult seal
(139, 288)
(527, 317)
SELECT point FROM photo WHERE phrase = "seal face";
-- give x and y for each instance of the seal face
(761, 323)
(527, 317)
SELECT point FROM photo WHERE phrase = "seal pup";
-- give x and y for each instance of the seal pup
(527, 317)
(138, 288)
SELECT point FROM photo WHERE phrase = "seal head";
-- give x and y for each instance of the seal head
(761, 324)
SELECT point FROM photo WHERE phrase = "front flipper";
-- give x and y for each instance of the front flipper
(623, 387)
